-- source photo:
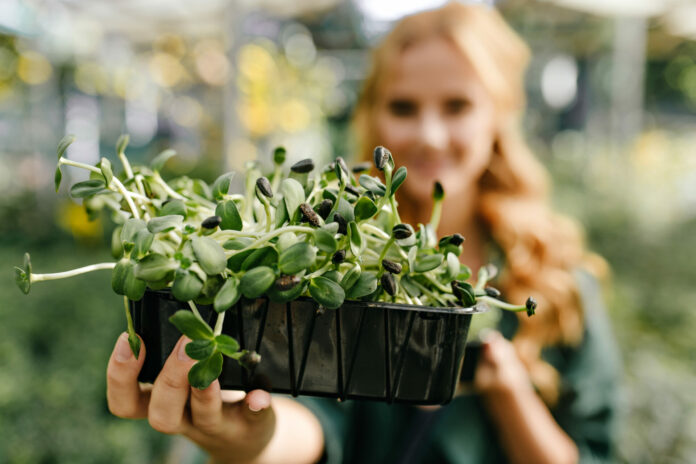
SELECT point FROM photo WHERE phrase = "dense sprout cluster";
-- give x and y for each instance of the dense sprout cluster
(331, 233)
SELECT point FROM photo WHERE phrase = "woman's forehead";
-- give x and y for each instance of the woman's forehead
(430, 66)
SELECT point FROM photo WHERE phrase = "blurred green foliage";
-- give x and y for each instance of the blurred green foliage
(54, 346)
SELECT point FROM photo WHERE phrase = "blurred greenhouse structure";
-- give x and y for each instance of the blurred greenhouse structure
(611, 111)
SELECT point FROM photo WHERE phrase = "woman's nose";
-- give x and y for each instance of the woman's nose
(433, 131)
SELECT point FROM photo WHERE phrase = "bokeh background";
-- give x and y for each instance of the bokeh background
(612, 114)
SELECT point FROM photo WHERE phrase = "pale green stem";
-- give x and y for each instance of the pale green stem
(126, 165)
(263, 239)
(218, 324)
(501, 304)
(71, 273)
(437, 284)
(435, 216)
(129, 322)
(194, 309)
(427, 292)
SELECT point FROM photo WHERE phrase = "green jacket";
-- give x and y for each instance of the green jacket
(371, 432)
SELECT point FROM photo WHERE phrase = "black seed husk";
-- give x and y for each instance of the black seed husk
(401, 231)
(380, 155)
(211, 222)
(338, 257)
(391, 267)
(309, 215)
(325, 208)
(388, 283)
(456, 239)
(531, 305)
(303, 166)
(352, 190)
(264, 187)
(492, 292)
(361, 167)
(341, 162)
(342, 224)
(286, 282)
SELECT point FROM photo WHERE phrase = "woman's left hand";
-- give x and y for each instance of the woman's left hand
(499, 369)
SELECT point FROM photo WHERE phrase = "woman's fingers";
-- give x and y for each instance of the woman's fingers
(123, 393)
(170, 392)
(206, 409)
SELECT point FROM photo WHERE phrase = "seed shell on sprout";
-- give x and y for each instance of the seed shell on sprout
(352, 190)
(309, 215)
(531, 305)
(342, 224)
(338, 257)
(341, 162)
(303, 166)
(211, 222)
(287, 282)
(361, 167)
(325, 208)
(264, 187)
(250, 359)
(457, 239)
(492, 292)
(381, 156)
(391, 267)
(388, 283)
(401, 231)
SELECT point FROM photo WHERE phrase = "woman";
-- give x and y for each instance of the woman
(445, 95)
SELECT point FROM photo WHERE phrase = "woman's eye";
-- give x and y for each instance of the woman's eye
(455, 106)
(402, 108)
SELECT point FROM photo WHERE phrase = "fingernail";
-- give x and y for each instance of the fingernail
(123, 352)
(255, 408)
(182, 350)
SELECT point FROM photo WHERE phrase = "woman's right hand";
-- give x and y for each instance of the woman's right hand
(230, 432)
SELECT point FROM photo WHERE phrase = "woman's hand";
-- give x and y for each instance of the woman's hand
(499, 369)
(230, 432)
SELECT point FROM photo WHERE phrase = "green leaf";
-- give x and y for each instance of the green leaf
(134, 342)
(356, 241)
(326, 292)
(122, 143)
(264, 256)
(158, 162)
(464, 292)
(226, 345)
(143, 242)
(57, 178)
(210, 288)
(228, 295)
(281, 214)
(203, 373)
(237, 243)
(173, 208)
(372, 184)
(124, 281)
(298, 257)
(105, 166)
(398, 178)
(364, 209)
(411, 288)
(210, 254)
(285, 241)
(187, 286)
(293, 195)
(325, 241)
(366, 284)
(164, 223)
(116, 245)
(255, 282)
(351, 277)
(425, 263)
(64, 144)
(23, 275)
(200, 349)
(231, 219)
(221, 186)
(464, 273)
(131, 228)
(234, 263)
(202, 189)
(189, 325)
(346, 210)
(155, 267)
(88, 188)
(279, 155)
(411, 257)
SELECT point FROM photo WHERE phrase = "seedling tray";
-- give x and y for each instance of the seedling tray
(362, 350)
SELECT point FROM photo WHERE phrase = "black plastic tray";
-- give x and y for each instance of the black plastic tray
(362, 350)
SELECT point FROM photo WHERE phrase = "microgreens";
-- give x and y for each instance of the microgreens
(317, 233)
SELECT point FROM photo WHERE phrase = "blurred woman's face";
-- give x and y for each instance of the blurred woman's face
(435, 116)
